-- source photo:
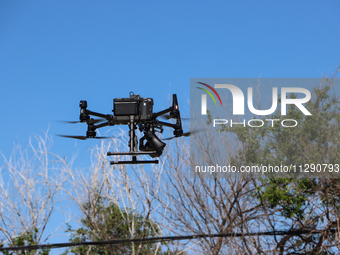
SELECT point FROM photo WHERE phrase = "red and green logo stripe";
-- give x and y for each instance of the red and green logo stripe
(209, 93)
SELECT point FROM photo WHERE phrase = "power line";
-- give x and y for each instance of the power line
(162, 239)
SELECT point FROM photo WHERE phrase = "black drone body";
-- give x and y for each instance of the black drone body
(134, 111)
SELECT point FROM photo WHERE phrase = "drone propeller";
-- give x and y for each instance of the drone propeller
(168, 117)
(89, 121)
(184, 134)
(82, 137)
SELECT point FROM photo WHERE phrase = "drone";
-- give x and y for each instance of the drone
(134, 111)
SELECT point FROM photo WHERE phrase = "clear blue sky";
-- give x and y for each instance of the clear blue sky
(55, 53)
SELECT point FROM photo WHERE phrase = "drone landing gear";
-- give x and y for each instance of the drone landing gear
(133, 149)
(134, 161)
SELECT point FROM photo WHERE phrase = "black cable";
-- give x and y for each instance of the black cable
(160, 239)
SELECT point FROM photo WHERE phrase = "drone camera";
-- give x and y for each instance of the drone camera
(153, 144)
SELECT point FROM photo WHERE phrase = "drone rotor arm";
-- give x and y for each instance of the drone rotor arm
(162, 123)
(105, 124)
(100, 115)
(157, 114)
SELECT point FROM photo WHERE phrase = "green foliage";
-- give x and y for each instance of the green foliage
(315, 140)
(111, 223)
(25, 239)
(309, 202)
(289, 194)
